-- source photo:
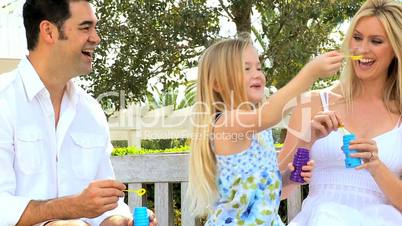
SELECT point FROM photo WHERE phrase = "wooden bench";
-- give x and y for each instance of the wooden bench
(163, 170)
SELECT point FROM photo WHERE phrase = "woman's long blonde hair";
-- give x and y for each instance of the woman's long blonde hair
(389, 12)
(219, 88)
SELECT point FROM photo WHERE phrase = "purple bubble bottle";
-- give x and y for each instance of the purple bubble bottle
(300, 159)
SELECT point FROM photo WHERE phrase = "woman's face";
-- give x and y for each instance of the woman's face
(370, 40)
(254, 79)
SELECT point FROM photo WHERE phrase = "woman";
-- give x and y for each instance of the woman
(366, 101)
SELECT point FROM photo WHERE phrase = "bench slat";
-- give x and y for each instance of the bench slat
(164, 203)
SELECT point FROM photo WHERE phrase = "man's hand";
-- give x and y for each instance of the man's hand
(100, 196)
(67, 223)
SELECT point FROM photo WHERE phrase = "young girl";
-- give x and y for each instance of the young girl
(234, 174)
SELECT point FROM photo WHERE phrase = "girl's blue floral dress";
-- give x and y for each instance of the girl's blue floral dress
(249, 185)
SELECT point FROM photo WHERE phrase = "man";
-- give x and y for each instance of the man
(54, 139)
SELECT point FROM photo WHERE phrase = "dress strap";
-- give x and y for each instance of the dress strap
(398, 124)
(324, 100)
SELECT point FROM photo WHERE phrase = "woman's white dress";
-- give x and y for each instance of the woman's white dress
(343, 196)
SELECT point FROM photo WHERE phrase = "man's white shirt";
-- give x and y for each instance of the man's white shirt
(39, 161)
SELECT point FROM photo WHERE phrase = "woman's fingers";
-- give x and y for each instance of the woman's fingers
(335, 120)
(367, 151)
(307, 171)
(363, 141)
(323, 123)
(329, 119)
(318, 128)
(362, 166)
(324, 120)
(365, 147)
(309, 166)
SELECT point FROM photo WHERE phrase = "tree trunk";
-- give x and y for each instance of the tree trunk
(241, 11)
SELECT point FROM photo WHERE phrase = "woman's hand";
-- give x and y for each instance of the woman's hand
(368, 152)
(306, 170)
(323, 123)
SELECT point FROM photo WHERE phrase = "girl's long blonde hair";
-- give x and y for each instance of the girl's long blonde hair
(219, 88)
(389, 12)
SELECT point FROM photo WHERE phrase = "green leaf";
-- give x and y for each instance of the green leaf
(159, 39)
(219, 212)
(237, 181)
(259, 222)
(243, 199)
(250, 179)
(266, 212)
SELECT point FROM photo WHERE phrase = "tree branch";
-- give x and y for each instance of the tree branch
(226, 9)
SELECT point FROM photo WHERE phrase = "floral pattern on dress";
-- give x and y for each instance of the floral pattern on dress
(249, 185)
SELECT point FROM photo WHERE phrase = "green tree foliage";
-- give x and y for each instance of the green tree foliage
(156, 99)
(291, 31)
(144, 39)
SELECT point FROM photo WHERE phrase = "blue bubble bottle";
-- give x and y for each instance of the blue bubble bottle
(140, 216)
(350, 162)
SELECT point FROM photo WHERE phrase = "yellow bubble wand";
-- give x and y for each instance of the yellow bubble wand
(355, 57)
(342, 128)
(140, 192)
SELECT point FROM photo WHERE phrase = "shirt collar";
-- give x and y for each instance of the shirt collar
(30, 78)
(72, 92)
(33, 85)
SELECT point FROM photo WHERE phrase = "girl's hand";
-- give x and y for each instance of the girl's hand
(368, 152)
(325, 65)
(323, 123)
(306, 170)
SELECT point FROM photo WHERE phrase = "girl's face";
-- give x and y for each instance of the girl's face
(254, 79)
(370, 40)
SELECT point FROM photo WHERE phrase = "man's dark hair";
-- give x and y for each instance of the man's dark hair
(35, 11)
